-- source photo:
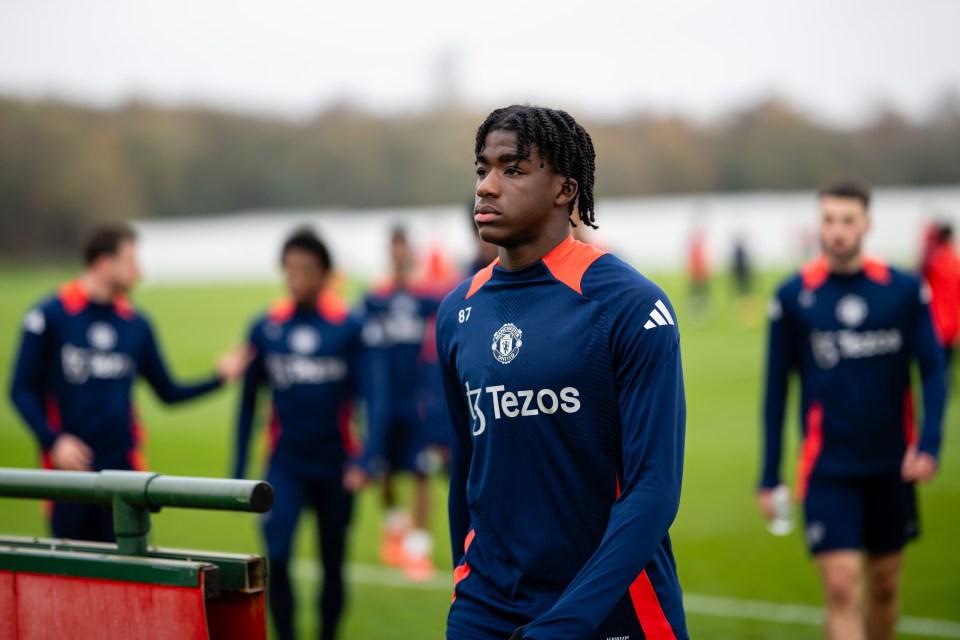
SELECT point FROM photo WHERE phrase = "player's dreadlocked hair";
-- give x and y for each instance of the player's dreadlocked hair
(559, 139)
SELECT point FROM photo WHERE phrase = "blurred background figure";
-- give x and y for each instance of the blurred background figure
(309, 353)
(941, 272)
(741, 273)
(698, 270)
(80, 352)
(396, 317)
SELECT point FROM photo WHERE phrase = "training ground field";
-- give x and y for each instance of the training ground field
(740, 582)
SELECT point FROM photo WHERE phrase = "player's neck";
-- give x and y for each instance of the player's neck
(845, 266)
(523, 255)
(97, 289)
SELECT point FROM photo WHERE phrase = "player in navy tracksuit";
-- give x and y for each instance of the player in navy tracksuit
(563, 374)
(80, 353)
(396, 318)
(308, 351)
(852, 326)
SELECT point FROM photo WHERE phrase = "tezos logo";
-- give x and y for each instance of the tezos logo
(102, 336)
(507, 343)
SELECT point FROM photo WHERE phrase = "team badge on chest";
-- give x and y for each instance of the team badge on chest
(507, 343)
(851, 310)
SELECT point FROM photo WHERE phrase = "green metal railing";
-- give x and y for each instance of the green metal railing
(134, 494)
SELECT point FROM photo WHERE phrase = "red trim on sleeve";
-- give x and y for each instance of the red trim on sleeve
(909, 419)
(135, 456)
(461, 571)
(812, 445)
(481, 278)
(274, 429)
(351, 444)
(569, 260)
(649, 612)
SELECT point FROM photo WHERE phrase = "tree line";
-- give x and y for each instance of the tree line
(64, 166)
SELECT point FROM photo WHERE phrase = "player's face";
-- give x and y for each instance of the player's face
(400, 254)
(516, 198)
(304, 275)
(843, 223)
(123, 272)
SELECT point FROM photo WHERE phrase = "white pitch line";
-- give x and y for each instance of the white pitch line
(735, 608)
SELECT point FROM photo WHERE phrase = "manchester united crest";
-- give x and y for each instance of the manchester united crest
(507, 343)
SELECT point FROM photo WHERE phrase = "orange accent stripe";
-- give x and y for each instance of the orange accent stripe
(136, 458)
(273, 432)
(649, 612)
(351, 443)
(812, 445)
(460, 572)
(481, 278)
(909, 419)
(569, 260)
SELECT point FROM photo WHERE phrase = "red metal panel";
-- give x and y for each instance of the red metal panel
(8, 621)
(237, 616)
(56, 607)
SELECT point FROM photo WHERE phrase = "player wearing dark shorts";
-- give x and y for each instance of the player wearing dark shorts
(80, 353)
(851, 326)
(396, 317)
(563, 374)
(308, 351)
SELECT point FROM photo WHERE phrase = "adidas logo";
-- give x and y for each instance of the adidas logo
(659, 317)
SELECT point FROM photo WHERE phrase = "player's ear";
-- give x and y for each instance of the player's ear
(566, 192)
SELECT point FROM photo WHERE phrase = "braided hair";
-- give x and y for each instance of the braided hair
(559, 140)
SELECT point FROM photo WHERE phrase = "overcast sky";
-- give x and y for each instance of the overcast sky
(835, 58)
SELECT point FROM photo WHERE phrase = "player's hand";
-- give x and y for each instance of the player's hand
(70, 453)
(918, 466)
(233, 363)
(765, 504)
(355, 478)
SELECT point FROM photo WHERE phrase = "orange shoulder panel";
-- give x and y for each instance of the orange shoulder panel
(877, 270)
(815, 272)
(73, 296)
(570, 260)
(282, 310)
(332, 307)
(481, 277)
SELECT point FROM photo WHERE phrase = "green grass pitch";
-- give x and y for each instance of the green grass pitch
(721, 544)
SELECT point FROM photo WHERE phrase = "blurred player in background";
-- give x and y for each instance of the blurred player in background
(563, 375)
(80, 353)
(309, 353)
(941, 271)
(396, 318)
(852, 326)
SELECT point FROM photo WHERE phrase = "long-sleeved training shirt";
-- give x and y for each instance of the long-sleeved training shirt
(311, 359)
(852, 338)
(565, 386)
(75, 370)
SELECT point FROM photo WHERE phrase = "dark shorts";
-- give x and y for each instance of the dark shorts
(77, 521)
(876, 514)
(407, 443)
